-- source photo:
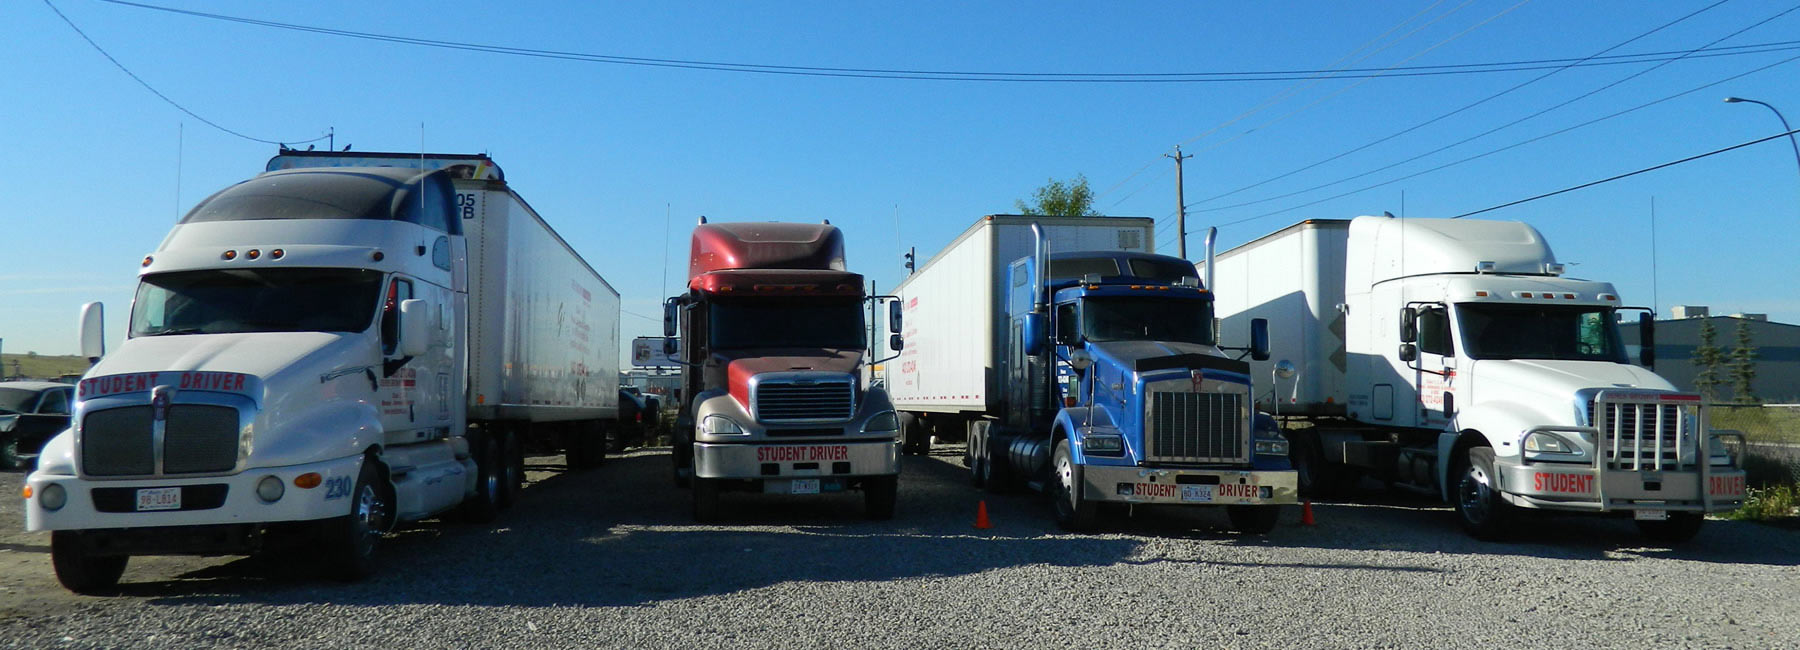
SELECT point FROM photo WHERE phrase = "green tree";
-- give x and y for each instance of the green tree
(1743, 366)
(1057, 198)
(1708, 356)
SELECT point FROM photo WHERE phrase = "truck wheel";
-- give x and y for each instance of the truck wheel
(353, 539)
(996, 476)
(80, 571)
(682, 454)
(706, 500)
(1678, 528)
(1317, 479)
(1073, 513)
(484, 505)
(511, 469)
(1253, 520)
(911, 434)
(1483, 512)
(879, 496)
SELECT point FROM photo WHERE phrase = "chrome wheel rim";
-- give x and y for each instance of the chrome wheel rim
(369, 515)
(1474, 494)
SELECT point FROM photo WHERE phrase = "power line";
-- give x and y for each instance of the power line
(1465, 107)
(1525, 118)
(158, 93)
(937, 75)
(1610, 179)
(1513, 145)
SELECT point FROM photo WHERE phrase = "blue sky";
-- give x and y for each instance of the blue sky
(621, 159)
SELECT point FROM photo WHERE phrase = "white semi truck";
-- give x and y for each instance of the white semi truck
(1454, 357)
(345, 342)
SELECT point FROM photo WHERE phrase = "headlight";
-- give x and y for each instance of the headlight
(54, 497)
(1271, 447)
(1103, 444)
(1549, 443)
(270, 489)
(720, 425)
(883, 422)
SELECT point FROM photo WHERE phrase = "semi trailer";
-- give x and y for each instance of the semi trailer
(1456, 358)
(771, 340)
(1076, 361)
(342, 343)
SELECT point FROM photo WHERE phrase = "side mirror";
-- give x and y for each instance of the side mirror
(415, 328)
(671, 318)
(1259, 339)
(93, 331)
(1034, 334)
(1647, 339)
(671, 345)
(1409, 325)
(1449, 405)
(1409, 352)
(896, 343)
(894, 317)
(1285, 369)
(1080, 360)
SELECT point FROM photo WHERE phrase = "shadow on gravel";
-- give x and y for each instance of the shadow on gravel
(1377, 520)
(621, 536)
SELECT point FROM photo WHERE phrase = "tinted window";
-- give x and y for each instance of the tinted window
(1498, 331)
(1434, 331)
(1147, 319)
(1169, 270)
(1073, 269)
(794, 323)
(266, 300)
(15, 400)
(379, 193)
(56, 402)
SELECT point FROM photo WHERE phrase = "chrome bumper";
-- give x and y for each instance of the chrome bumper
(785, 460)
(1189, 486)
(1557, 486)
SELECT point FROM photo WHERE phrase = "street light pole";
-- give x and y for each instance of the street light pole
(1779, 116)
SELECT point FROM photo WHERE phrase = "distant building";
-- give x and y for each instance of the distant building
(1777, 352)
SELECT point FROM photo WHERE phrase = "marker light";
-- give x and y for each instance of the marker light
(377, 256)
(308, 480)
(229, 255)
(147, 261)
(276, 254)
(253, 253)
(26, 493)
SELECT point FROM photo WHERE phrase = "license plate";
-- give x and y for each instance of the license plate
(804, 486)
(168, 498)
(1650, 515)
(1197, 493)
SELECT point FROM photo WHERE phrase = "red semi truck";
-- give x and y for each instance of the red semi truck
(772, 343)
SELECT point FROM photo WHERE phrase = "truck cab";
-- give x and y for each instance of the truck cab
(773, 342)
(1122, 395)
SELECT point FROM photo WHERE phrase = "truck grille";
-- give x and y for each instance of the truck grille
(779, 401)
(1639, 436)
(1196, 428)
(197, 439)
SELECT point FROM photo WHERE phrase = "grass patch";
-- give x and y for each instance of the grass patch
(1763, 504)
(41, 366)
(1771, 465)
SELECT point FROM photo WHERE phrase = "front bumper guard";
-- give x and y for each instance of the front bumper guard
(796, 460)
(1144, 485)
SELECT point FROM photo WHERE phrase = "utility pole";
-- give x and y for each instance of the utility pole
(1180, 203)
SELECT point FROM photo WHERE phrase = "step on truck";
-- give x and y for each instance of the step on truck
(316, 354)
(771, 340)
(1076, 361)
(1455, 358)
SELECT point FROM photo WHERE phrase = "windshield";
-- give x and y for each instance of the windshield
(1147, 319)
(787, 323)
(16, 400)
(268, 300)
(1499, 331)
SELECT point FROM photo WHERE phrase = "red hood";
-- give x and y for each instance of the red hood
(741, 366)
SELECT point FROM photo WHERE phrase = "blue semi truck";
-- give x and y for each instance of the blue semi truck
(1092, 373)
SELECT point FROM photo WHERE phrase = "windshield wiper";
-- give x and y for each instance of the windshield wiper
(175, 330)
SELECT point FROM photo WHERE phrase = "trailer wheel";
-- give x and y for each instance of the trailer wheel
(681, 453)
(1316, 479)
(1483, 512)
(511, 470)
(1253, 520)
(1679, 527)
(915, 441)
(353, 539)
(880, 493)
(80, 571)
(706, 500)
(1073, 513)
(484, 505)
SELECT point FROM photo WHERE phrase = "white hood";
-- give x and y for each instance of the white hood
(284, 361)
(1530, 381)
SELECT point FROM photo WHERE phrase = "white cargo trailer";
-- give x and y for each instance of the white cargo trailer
(954, 304)
(342, 343)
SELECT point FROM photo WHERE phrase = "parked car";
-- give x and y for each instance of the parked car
(639, 414)
(30, 413)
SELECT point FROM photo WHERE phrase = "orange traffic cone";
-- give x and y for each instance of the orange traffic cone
(1306, 518)
(981, 518)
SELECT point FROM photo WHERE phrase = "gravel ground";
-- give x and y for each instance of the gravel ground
(609, 558)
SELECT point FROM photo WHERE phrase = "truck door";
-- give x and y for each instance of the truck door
(1435, 368)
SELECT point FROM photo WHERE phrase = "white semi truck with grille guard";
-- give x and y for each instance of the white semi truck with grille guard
(1454, 357)
(342, 343)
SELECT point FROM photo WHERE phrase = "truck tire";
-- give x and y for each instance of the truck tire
(914, 439)
(512, 469)
(1073, 513)
(80, 571)
(706, 500)
(1483, 512)
(1253, 520)
(880, 493)
(1317, 479)
(352, 540)
(483, 506)
(681, 454)
(1679, 527)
